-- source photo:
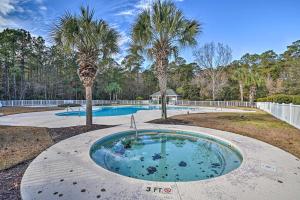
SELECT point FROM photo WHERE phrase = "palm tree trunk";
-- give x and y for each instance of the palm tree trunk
(88, 96)
(241, 91)
(162, 79)
(163, 105)
(252, 94)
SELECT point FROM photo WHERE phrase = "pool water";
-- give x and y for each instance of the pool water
(118, 110)
(165, 155)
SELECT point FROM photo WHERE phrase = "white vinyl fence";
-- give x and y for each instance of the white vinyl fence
(215, 103)
(41, 103)
(286, 112)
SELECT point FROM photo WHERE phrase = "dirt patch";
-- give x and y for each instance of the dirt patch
(17, 110)
(21, 143)
(10, 180)
(58, 134)
(258, 125)
(18, 147)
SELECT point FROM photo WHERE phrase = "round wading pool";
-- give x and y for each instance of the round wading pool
(165, 155)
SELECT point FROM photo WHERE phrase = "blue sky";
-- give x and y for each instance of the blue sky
(252, 26)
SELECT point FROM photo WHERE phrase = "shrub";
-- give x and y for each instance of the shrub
(69, 105)
(139, 98)
(281, 98)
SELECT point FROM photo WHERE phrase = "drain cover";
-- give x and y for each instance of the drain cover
(268, 167)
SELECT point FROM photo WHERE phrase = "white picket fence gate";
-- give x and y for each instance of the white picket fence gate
(289, 113)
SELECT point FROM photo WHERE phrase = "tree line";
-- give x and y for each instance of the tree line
(32, 70)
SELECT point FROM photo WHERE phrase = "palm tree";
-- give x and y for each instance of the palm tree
(240, 75)
(109, 89)
(253, 81)
(113, 89)
(93, 41)
(160, 31)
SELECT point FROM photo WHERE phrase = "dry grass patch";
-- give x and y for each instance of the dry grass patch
(258, 125)
(17, 110)
(21, 143)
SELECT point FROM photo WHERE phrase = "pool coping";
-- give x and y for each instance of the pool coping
(266, 172)
(215, 139)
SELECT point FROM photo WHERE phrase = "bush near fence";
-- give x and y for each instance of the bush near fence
(281, 98)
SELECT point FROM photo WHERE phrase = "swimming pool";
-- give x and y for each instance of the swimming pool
(119, 110)
(165, 155)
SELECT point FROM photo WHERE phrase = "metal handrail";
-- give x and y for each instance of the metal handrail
(133, 125)
(70, 108)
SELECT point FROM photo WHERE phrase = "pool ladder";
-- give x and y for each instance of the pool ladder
(69, 108)
(133, 125)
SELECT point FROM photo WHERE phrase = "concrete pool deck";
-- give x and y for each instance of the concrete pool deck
(66, 171)
(50, 120)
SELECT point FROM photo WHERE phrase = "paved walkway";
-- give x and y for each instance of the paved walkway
(66, 171)
(50, 120)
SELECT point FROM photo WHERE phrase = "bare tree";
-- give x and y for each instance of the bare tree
(212, 59)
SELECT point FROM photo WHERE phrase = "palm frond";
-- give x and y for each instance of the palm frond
(164, 27)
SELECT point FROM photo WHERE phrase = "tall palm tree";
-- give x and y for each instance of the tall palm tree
(254, 80)
(240, 75)
(93, 41)
(160, 31)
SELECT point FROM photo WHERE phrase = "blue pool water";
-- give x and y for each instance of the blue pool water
(165, 155)
(117, 110)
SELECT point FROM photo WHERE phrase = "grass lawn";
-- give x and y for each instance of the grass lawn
(21, 143)
(18, 144)
(259, 125)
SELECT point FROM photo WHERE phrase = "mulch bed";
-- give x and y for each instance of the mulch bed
(10, 179)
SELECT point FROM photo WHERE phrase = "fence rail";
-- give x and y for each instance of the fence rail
(42, 103)
(215, 103)
(289, 113)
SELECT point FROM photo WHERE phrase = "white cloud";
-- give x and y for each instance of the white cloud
(4, 23)
(126, 13)
(114, 25)
(144, 4)
(44, 8)
(124, 39)
(7, 6)
(25, 14)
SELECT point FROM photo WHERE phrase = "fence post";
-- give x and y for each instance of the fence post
(291, 115)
